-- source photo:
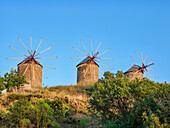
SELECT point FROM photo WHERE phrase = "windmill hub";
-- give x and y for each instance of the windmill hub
(92, 58)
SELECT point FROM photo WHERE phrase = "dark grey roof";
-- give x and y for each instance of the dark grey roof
(86, 60)
(133, 68)
(27, 59)
(24, 60)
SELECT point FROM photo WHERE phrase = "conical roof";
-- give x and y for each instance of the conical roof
(133, 68)
(31, 60)
(87, 60)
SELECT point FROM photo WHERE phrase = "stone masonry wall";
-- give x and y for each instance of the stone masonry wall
(33, 74)
(87, 73)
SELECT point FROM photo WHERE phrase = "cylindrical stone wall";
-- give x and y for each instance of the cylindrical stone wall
(134, 75)
(32, 73)
(87, 73)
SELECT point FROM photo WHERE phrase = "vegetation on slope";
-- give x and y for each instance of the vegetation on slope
(114, 101)
(12, 79)
(68, 106)
(119, 102)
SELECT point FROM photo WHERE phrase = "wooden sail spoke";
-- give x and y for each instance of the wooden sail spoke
(104, 58)
(151, 63)
(38, 74)
(145, 59)
(42, 72)
(44, 51)
(33, 73)
(138, 56)
(79, 66)
(103, 64)
(85, 48)
(47, 66)
(45, 57)
(91, 46)
(31, 44)
(101, 71)
(39, 44)
(80, 51)
(77, 57)
(86, 70)
(151, 69)
(15, 58)
(24, 46)
(137, 71)
(98, 47)
(94, 72)
(133, 60)
(142, 57)
(25, 69)
(150, 75)
(18, 51)
(103, 52)
(14, 68)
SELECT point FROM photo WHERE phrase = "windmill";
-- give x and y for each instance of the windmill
(137, 71)
(88, 69)
(30, 67)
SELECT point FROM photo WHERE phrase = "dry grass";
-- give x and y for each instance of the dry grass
(74, 94)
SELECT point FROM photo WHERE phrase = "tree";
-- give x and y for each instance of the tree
(125, 103)
(108, 75)
(14, 79)
(2, 87)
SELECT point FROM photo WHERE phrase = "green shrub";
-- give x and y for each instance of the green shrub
(78, 122)
(4, 116)
(14, 79)
(119, 102)
(84, 121)
(60, 107)
(26, 113)
(88, 90)
(2, 87)
(14, 97)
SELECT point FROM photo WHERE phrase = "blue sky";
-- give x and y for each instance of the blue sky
(123, 26)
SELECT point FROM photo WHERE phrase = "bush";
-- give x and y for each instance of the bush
(4, 116)
(26, 113)
(2, 87)
(13, 79)
(88, 90)
(60, 107)
(84, 121)
(14, 97)
(119, 102)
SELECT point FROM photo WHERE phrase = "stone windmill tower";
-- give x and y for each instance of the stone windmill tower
(30, 67)
(88, 69)
(137, 71)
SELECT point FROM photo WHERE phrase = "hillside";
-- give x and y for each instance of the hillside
(75, 97)
(114, 101)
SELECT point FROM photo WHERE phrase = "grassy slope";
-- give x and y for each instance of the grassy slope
(76, 96)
